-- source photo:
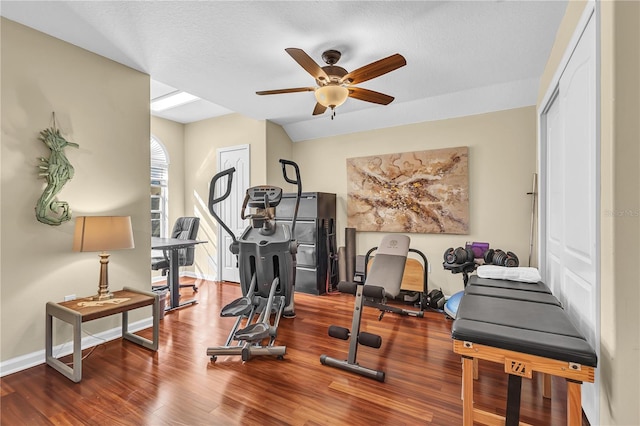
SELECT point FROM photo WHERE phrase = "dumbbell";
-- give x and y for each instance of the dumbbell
(500, 258)
(458, 256)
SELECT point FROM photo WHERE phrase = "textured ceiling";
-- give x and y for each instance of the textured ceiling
(463, 57)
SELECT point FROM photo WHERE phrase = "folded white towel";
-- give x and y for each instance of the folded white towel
(522, 274)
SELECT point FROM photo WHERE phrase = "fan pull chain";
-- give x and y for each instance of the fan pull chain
(333, 113)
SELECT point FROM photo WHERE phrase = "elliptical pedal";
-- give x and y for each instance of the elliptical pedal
(238, 307)
(253, 332)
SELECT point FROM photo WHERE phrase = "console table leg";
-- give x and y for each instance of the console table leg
(75, 320)
(149, 344)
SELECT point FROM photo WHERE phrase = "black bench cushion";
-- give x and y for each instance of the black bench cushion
(553, 346)
(514, 294)
(540, 287)
(523, 326)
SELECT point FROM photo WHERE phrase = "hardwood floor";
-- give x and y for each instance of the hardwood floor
(124, 384)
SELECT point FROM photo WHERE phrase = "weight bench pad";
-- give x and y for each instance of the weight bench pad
(388, 264)
(522, 326)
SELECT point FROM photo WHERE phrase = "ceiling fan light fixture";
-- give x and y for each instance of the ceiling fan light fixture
(331, 96)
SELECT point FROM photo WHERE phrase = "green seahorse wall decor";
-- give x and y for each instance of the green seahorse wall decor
(57, 171)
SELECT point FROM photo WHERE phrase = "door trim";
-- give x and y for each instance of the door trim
(591, 11)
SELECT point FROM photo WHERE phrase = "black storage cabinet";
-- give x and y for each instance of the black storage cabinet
(316, 269)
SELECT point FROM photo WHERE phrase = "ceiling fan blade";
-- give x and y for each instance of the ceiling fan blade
(375, 69)
(319, 109)
(370, 96)
(307, 63)
(293, 90)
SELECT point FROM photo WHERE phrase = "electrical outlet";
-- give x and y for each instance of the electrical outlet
(69, 297)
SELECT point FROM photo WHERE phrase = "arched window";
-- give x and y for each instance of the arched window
(159, 186)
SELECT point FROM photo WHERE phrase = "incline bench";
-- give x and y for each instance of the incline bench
(524, 327)
(414, 279)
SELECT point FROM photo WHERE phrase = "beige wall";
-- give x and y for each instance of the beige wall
(502, 152)
(104, 107)
(279, 146)
(619, 363)
(202, 140)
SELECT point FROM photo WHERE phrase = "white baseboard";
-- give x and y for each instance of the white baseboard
(23, 362)
(189, 274)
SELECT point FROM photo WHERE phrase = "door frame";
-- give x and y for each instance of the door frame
(591, 11)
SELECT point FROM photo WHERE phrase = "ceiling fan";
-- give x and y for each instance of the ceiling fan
(335, 84)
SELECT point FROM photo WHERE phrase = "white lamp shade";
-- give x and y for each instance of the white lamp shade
(103, 233)
(331, 95)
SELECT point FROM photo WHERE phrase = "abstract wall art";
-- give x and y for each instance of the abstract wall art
(411, 192)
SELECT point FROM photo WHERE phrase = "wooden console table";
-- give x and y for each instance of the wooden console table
(77, 311)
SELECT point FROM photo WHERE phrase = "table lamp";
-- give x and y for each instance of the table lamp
(103, 233)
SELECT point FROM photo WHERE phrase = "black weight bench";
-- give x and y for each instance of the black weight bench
(524, 327)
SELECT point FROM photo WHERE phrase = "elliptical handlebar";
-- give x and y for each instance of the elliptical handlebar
(212, 187)
(298, 184)
(213, 200)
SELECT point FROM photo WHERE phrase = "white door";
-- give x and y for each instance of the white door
(570, 198)
(229, 210)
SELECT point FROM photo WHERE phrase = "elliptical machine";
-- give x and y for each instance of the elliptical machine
(266, 253)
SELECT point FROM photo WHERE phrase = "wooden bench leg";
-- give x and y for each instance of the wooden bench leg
(467, 391)
(475, 369)
(574, 403)
(546, 385)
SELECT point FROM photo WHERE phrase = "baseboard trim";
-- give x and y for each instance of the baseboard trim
(191, 274)
(188, 274)
(33, 359)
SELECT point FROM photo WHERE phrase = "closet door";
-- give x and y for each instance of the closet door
(570, 197)
(229, 210)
